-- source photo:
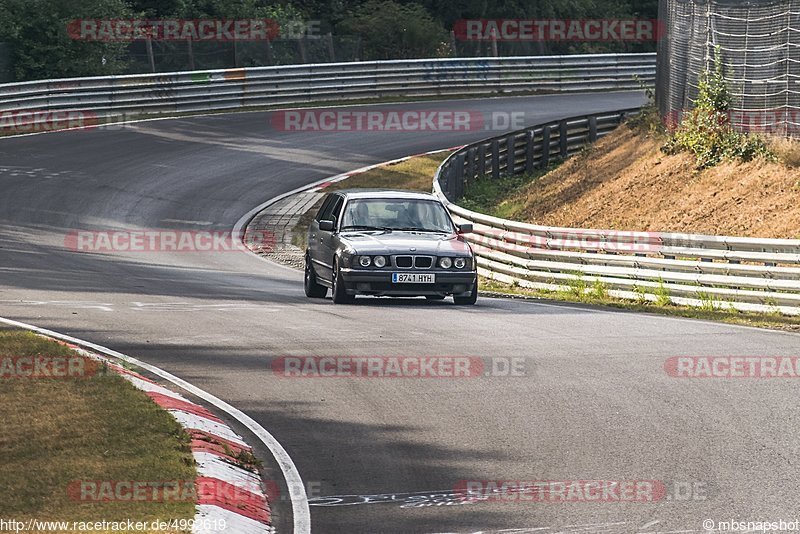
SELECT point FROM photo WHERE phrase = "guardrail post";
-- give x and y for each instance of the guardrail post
(562, 139)
(451, 183)
(530, 163)
(459, 177)
(482, 160)
(511, 157)
(470, 164)
(545, 146)
(495, 159)
(593, 128)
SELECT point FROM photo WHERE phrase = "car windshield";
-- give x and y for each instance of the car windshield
(396, 214)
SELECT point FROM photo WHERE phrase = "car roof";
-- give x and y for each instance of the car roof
(386, 193)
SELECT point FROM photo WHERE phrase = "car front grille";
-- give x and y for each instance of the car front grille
(423, 262)
(403, 262)
(418, 262)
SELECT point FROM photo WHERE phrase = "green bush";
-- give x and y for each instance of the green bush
(706, 131)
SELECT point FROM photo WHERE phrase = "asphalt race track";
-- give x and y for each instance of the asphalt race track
(595, 402)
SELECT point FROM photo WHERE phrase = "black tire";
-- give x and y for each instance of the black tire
(338, 291)
(312, 288)
(434, 297)
(470, 300)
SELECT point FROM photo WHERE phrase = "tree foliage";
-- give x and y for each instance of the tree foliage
(391, 30)
(35, 30)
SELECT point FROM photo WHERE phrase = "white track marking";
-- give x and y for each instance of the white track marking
(300, 510)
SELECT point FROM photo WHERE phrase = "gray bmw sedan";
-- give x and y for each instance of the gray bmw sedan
(388, 243)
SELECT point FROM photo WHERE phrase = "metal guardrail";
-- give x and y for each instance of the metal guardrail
(186, 92)
(748, 274)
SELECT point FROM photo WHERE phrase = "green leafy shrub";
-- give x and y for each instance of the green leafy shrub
(706, 130)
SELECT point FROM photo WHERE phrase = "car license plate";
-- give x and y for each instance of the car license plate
(413, 278)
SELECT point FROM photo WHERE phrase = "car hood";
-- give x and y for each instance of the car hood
(399, 242)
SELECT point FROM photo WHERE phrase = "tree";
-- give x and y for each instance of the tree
(41, 46)
(391, 30)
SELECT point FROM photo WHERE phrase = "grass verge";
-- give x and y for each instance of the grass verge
(57, 431)
(499, 197)
(598, 296)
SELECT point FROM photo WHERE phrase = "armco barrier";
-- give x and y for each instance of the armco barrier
(188, 92)
(747, 274)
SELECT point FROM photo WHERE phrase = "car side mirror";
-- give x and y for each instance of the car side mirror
(326, 226)
(465, 228)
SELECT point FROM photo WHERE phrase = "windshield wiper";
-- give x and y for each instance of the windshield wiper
(418, 229)
(365, 227)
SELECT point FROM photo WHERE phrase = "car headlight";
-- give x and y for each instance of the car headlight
(379, 261)
(460, 263)
(445, 263)
(365, 261)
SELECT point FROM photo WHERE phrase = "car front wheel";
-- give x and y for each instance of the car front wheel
(472, 298)
(312, 288)
(338, 291)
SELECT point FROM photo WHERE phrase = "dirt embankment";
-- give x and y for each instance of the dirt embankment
(625, 182)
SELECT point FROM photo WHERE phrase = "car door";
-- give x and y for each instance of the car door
(329, 241)
(315, 249)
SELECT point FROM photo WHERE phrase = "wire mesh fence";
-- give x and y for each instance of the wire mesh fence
(759, 42)
(171, 56)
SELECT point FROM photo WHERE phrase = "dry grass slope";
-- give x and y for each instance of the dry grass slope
(625, 182)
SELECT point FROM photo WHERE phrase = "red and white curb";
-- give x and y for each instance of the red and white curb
(228, 492)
